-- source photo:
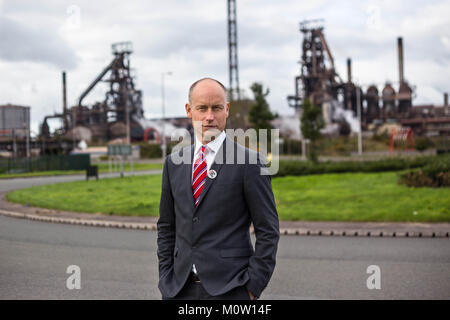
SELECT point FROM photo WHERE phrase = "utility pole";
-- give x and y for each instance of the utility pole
(232, 52)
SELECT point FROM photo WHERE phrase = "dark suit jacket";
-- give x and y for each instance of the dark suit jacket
(215, 235)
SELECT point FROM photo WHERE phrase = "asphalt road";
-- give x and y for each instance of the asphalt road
(122, 264)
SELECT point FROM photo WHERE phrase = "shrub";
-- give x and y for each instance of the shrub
(150, 151)
(290, 146)
(296, 168)
(435, 174)
(382, 137)
(416, 179)
(153, 150)
(438, 165)
(423, 143)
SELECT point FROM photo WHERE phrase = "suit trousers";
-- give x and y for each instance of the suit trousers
(194, 291)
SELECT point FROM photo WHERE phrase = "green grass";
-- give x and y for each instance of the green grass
(40, 174)
(328, 197)
(136, 195)
(102, 167)
(358, 197)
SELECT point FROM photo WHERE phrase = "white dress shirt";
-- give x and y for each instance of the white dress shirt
(210, 153)
(211, 150)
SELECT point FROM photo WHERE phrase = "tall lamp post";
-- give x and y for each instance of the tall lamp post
(163, 136)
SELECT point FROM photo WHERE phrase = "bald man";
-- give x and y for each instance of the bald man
(207, 206)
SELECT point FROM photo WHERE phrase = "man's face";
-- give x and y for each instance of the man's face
(208, 110)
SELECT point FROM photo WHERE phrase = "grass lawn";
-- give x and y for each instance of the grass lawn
(136, 195)
(102, 168)
(328, 197)
(358, 197)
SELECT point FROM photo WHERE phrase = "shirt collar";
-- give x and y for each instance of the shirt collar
(213, 145)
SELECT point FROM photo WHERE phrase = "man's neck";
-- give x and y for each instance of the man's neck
(204, 142)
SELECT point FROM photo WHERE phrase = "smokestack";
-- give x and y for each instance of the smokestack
(349, 70)
(64, 92)
(64, 99)
(446, 103)
(400, 58)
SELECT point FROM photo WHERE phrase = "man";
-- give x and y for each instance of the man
(206, 208)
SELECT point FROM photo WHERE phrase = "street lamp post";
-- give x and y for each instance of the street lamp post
(163, 137)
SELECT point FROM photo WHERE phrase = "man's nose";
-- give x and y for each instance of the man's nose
(210, 115)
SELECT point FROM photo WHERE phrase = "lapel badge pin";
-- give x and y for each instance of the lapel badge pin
(212, 174)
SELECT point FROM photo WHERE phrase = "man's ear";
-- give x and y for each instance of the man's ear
(228, 109)
(188, 110)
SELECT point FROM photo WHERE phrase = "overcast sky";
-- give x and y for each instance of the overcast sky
(39, 39)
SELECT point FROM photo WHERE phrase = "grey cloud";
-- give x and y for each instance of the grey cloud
(23, 43)
(185, 37)
(267, 35)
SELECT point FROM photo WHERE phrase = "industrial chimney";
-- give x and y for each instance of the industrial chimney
(446, 103)
(400, 59)
(64, 99)
(349, 70)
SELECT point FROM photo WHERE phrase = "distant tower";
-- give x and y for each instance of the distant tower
(232, 52)
(318, 80)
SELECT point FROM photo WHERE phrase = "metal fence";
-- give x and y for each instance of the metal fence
(45, 163)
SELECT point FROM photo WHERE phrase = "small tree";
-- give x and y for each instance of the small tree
(311, 122)
(260, 115)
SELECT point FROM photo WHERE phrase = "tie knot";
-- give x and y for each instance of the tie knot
(203, 149)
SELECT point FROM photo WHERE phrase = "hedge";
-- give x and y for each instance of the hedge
(435, 173)
(298, 168)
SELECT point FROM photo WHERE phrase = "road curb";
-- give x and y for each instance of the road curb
(84, 222)
(365, 233)
(283, 231)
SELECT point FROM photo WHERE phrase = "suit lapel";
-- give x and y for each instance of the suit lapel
(188, 173)
(215, 166)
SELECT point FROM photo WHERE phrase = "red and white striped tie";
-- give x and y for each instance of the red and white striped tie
(199, 176)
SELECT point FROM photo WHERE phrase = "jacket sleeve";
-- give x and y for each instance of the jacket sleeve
(261, 204)
(166, 224)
